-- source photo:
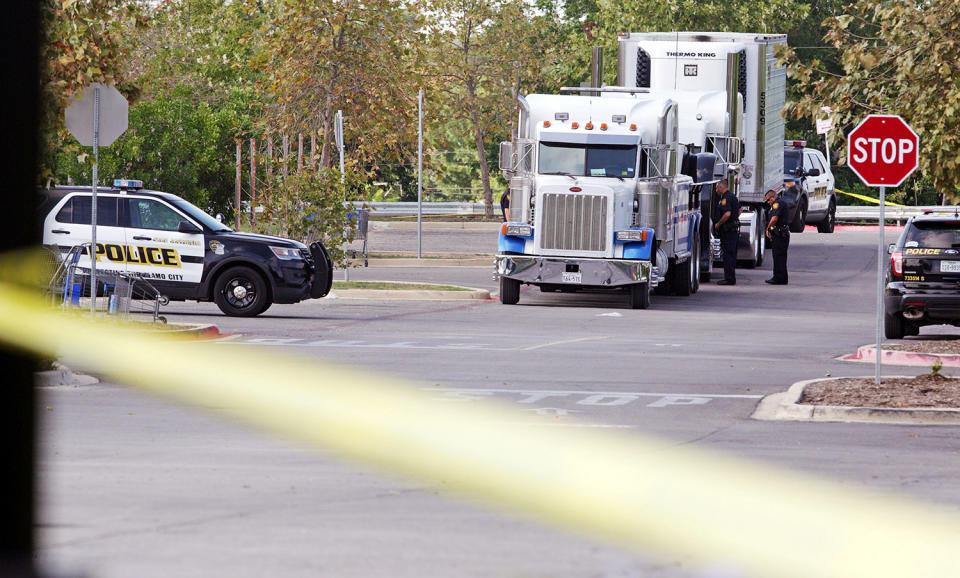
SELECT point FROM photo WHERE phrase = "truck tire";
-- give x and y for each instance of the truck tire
(509, 291)
(695, 263)
(893, 326)
(761, 240)
(241, 292)
(829, 222)
(800, 217)
(640, 296)
(683, 277)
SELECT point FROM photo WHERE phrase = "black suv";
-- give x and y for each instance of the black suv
(923, 279)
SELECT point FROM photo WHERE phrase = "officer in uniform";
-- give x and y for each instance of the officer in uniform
(727, 228)
(778, 231)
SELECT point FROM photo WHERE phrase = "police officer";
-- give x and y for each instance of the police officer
(778, 231)
(727, 228)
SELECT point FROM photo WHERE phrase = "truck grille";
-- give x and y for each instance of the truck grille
(573, 222)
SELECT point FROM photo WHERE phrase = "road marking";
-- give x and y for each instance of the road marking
(554, 411)
(583, 398)
(610, 314)
(361, 344)
(565, 341)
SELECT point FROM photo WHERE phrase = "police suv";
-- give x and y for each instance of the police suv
(809, 186)
(182, 251)
(923, 276)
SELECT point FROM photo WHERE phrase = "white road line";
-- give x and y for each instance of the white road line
(535, 395)
(562, 342)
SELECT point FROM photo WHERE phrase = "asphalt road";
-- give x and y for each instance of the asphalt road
(134, 486)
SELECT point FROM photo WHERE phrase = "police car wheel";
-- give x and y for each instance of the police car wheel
(829, 222)
(241, 292)
(893, 326)
(799, 218)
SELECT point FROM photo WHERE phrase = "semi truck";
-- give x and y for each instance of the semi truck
(612, 186)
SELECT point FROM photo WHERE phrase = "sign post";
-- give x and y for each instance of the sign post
(883, 151)
(98, 118)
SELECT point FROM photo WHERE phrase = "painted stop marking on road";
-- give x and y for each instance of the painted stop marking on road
(883, 150)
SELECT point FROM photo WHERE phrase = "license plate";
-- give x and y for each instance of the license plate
(578, 277)
(950, 266)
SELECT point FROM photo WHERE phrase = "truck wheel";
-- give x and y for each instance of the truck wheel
(761, 241)
(683, 277)
(695, 269)
(893, 326)
(509, 291)
(241, 292)
(829, 222)
(800, 217)
(640, 296)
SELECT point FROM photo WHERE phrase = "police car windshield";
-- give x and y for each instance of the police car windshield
(933, 235)
(792, 160)
(581, 160)
(205, 219)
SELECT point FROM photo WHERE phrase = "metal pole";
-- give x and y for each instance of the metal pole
(420, 174)
(93, 200)
(299, 153)
(881, 254)
(253, 181)
(286, 155)
(237, 190)
(339, 130)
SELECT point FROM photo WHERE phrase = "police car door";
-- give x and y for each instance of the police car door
(816, 186)
(159, 252)
(68, 225)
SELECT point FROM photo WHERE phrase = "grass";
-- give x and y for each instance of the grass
(393, 286)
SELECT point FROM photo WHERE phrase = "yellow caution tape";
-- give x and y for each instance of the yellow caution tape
(640, 491)
(868, 199)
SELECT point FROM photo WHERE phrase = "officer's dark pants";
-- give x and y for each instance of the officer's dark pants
(780, 244)
(728, 243)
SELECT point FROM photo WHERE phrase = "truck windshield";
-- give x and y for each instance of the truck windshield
(581, 160)
(792, 161)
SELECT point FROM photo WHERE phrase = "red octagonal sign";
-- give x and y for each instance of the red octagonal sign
(883, 150)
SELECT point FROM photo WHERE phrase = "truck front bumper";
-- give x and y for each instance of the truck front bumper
(564, 270)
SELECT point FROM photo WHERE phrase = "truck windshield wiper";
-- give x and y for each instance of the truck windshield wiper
(560, 173)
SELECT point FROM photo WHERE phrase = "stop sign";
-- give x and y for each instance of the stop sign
(883, 150)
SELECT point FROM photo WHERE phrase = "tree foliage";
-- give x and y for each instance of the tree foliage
(482, 53)
(895, 58)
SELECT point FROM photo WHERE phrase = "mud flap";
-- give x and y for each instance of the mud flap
(323, 271)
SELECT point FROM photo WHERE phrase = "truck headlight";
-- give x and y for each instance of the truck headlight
(518, 230)
(286, 253)
(632, 235)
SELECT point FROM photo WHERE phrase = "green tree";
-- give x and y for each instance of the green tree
(896, 58)
(85, 42)
(482, 52)
(174, 143)
(353, 56)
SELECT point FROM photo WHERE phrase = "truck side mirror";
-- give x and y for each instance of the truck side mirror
(891, 248)
(506, 157)
(813, 173)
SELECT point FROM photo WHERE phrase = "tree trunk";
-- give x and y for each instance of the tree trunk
(482, 157)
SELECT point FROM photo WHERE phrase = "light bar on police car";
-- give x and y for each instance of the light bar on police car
(127, 184)
(517, 230)
(795, 143)
(632, 235)
(286, 253)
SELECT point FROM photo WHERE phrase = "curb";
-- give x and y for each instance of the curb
(63, 376)
(409, 294)
(194, 330)
(784, 407)
(868, 354)
(437, 262)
